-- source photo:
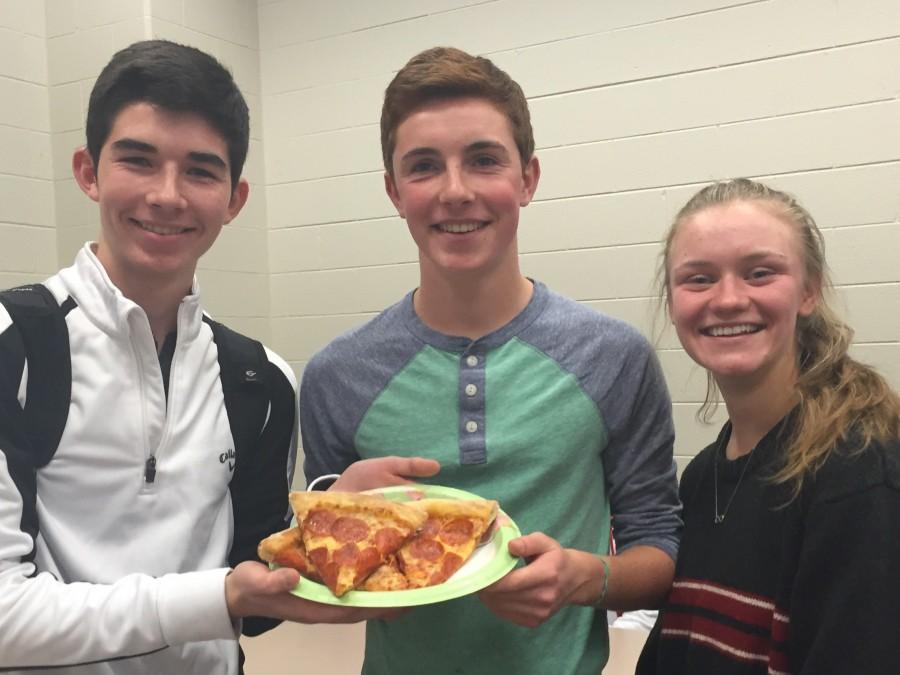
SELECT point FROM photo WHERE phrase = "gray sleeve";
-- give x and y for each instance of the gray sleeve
(618, 369)
(326, 428)
(340, 383)
(638, 460)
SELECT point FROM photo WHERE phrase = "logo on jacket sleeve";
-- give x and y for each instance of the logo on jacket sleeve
(228, 456)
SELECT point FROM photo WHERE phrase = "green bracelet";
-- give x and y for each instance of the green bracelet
(602, 597)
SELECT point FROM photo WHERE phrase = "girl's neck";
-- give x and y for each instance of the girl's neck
(754, 410)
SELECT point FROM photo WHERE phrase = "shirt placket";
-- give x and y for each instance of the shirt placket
(472, 430)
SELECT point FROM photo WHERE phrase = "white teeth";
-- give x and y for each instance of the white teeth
(720, 331)
(458, 228)
(156, 229)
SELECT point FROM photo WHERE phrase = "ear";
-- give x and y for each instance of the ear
(531, 175)
(238, 199)
(390, 187)
(812, 293)
(85, 173)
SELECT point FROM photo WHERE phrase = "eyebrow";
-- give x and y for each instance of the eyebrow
(195, 156)
(418, 152)
(132, 144)
(485, 145)
(425, 151)
(751, 258)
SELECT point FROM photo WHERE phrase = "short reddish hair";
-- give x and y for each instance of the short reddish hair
(446, 72)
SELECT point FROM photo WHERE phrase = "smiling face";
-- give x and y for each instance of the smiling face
(736, 289)
(459, 183)
(163, 185)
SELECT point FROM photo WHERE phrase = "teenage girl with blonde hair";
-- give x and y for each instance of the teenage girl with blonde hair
(789, 559)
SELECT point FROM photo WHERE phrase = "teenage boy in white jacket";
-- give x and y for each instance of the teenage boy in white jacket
(120, 553)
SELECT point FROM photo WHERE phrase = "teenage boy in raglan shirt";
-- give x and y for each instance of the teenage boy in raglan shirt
(131, 548)
(523, 396)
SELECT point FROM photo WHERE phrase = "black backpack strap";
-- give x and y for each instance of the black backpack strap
(242, 366)
(41, 322)
(252, 387)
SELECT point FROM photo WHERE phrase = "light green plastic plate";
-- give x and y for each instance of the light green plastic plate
(490, 562)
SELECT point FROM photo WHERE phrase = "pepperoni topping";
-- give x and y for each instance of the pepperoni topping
(319, 557)
(318, 521)
(368, 559)
(425, 548)
(388, 539)
(329, 575)
(450, 564)
(347, 554)
(431, 527)
(349, 529)
(457, 531)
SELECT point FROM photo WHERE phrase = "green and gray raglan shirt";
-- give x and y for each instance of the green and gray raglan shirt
(562, 415)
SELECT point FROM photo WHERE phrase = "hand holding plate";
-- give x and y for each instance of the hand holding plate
(553, 578)
(252, 589)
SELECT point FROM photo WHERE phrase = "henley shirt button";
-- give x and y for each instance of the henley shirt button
(471, 426)
(471, 390)
(471, 361)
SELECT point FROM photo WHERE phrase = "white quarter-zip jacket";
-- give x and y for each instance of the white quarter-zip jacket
(106, 567)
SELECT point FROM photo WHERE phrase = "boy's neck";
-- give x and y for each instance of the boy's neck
(159, 296)
(471, 307)
(161, 306)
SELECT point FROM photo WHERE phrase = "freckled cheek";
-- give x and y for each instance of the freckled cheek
(685, 314)
(416, 205)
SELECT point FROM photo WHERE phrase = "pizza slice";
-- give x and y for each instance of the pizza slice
(286, 549)
(388, 577)
(348, 536)
(447, 539)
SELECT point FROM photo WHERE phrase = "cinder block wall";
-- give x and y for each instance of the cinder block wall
(50, 55)
(635, 106)
(27, 232)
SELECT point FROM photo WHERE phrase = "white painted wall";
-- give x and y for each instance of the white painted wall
(27, 234)
(50, 55)
(634, 106)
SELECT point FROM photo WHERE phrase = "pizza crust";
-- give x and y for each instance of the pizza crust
(483, 510)
(270, 546)
(286, 549)
(407, 513)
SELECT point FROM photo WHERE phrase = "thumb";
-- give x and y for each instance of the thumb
(532, 545)
(421, 467)
(283, 579)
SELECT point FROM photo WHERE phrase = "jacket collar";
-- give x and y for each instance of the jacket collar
(101, 300)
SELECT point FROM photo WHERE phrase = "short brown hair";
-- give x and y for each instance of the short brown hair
(446, 72)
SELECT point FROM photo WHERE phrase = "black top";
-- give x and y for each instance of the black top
(810, 585)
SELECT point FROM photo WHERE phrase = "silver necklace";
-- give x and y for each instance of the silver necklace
(720, 517)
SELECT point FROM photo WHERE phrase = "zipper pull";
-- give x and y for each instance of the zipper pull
(150, 469)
